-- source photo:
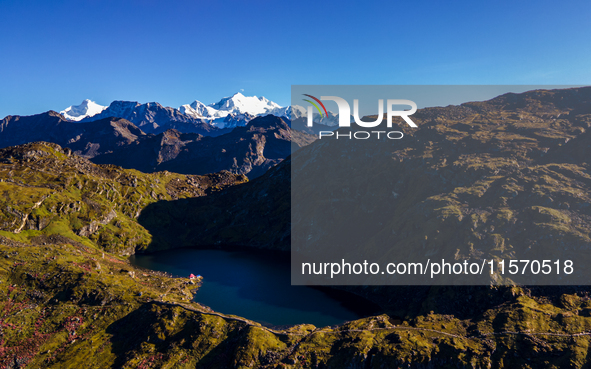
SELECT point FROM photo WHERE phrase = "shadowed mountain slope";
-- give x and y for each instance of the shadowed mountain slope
(250, 150)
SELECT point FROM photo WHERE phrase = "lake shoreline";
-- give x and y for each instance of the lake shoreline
(256, 284)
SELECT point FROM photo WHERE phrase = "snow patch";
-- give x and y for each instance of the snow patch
(86, 109)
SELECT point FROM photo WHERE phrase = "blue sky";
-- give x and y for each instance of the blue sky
(55, 54)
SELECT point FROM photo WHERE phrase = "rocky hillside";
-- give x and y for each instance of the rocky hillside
(46, 191)
(495, 180)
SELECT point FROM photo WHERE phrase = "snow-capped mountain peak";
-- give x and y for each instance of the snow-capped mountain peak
(198, 105)
(88, 108)
(196, 109)
(237, 105)
(229, 112)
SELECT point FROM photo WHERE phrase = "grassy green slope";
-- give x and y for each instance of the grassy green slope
(67, 305)
(46, 191)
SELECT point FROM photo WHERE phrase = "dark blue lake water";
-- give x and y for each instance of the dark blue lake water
(256, 285)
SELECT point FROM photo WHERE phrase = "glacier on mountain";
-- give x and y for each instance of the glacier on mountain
(86, 109)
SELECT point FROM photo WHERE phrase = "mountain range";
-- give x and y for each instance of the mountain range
(155, 118)
(210, 120)
(245, 135)
(249, 150)
(229, 112)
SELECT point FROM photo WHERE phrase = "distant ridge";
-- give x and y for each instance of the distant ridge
(249, 150)
(230, 112)
(210, 120)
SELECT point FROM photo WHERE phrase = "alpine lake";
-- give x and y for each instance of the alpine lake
(256, 285)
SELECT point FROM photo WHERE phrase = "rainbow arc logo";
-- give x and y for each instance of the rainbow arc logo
(316, 106)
